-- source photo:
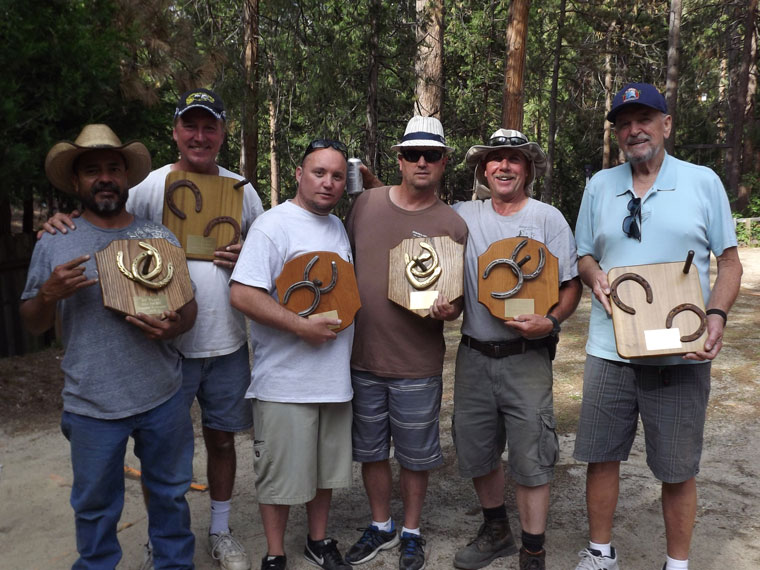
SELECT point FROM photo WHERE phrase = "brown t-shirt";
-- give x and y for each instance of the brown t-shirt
(389, 340)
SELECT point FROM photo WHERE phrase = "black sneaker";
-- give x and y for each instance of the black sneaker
(324, 554)
(274, 563)
(412, 552)
(372, 541)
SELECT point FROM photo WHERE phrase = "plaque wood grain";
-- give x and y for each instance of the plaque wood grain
(219, 198)
(344, 298)
(450, 283)
(670, 288)
(543, 291)
(120, 293)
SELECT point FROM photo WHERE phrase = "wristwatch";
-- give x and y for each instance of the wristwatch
(556, 328)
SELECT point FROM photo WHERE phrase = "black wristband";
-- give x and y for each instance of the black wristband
(556, 328)
(718, 312)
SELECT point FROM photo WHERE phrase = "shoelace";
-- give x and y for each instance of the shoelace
(371, 536)
(221, 541)
(411, 543)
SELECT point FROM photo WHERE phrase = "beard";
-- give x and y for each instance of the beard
(636, 157)
(106, 207)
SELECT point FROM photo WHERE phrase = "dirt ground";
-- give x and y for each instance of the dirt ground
(36, 522)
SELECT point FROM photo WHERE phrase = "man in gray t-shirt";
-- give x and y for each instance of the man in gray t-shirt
(121, 377)
(503, 381)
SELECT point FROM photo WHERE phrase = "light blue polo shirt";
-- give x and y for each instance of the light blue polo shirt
(686, 208)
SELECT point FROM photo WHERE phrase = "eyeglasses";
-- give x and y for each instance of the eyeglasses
(630, 227)
(318, 144)
(507, 141)
(413, 155)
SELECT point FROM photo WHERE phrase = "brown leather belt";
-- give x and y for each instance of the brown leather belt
(506, 348)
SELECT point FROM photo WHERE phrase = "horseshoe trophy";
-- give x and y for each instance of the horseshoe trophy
(319, 284)
(205, 212)
(657, 309)
(518, 276)
(419, 269)
(147, 276)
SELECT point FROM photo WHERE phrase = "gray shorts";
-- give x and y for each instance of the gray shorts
(500, 401)
(404, 409)
(671, 400)
(220, 383)
(299, 448)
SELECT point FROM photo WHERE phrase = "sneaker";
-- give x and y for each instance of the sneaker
(325, 555)
(593, 560)
(147, 563)
(228, 552)
(372, 541)
(412, 552)
(274, 563)
(494, 540)
(530, 561)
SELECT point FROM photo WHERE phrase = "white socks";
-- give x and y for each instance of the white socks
(605, 549)
(220, 517)
(674, 564)
(386, 526)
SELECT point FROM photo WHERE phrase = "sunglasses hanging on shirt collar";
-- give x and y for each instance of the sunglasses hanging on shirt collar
(631, 227)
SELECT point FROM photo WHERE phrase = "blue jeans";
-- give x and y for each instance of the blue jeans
(164, 443)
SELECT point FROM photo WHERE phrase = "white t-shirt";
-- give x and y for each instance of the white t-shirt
(219, 329)
(286, 368)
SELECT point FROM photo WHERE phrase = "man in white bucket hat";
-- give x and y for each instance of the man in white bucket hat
(503, 380)
(397, 358)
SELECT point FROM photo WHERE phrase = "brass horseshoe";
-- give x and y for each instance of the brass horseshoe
(170, 196)
(315, 285)
(515, 269)
(419, 275)
(147, 279)
(223, 220)
(694, 309)
(541, 260)
(629, 277)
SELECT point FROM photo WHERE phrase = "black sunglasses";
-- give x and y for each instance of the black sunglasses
(630, 227)
(318, 144)
(413, 155)
(507, 141)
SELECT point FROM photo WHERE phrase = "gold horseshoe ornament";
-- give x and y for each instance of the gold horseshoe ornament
(146, 276)
(420, 275)
(314, 285)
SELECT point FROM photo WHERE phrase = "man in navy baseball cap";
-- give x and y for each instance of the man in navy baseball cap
(637, 94)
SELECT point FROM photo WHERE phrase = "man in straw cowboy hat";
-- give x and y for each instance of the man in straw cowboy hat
(397, 358)
(215, 368)
(122, 378)
(503, 380)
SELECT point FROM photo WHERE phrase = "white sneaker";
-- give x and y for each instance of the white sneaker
(228, 552)
(593, 560)
(147, 563)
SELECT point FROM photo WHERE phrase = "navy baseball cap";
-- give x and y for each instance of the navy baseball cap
(203, 99)
(637, 94)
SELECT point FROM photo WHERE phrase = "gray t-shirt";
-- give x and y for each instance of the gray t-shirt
(111, 370)
(535, 220)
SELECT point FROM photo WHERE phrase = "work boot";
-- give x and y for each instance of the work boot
(493, 541)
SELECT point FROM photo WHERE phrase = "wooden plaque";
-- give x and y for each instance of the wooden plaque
(440, 255)
(340, 302)
(130, 296)
(535, 296)
(644, 333)
(202, 200)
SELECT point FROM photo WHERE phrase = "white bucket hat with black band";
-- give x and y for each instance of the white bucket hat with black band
(423, 132)
(59, 163)
(504, 138)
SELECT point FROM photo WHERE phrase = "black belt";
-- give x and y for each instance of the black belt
(510, 347)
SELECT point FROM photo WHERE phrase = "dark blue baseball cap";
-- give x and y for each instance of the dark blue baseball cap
(637, 94)
(202, 99)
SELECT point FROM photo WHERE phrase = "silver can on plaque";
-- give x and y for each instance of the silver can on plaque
(354, 182)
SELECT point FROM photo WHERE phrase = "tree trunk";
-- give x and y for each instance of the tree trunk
(608, 96)
(249, 152)
(546, 195)
(517, 32)
(371, 151)
(750, 162)
(274, 159)
(5, 216)
(27, 221)
(484, 128)
(428, 63)
(671, 86)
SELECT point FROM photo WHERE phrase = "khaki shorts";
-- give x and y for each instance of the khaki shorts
(299, 448)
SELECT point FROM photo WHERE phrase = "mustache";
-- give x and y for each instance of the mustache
(639, 139)
(105, 187)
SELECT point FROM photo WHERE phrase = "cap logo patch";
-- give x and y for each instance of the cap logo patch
(631, 94)
(198, 97)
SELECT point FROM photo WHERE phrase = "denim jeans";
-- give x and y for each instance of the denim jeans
(164, 444)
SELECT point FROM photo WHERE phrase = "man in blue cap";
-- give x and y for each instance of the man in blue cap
(666, 207)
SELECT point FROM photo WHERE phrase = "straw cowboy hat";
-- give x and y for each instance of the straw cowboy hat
(59, 163)
(504, 138)
(423, 132)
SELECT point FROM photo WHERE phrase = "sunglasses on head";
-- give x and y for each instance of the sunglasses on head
(413, 155)
(630, 226)
(507, 141)
(318, 144)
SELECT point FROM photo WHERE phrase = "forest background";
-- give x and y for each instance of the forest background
(290, 71)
